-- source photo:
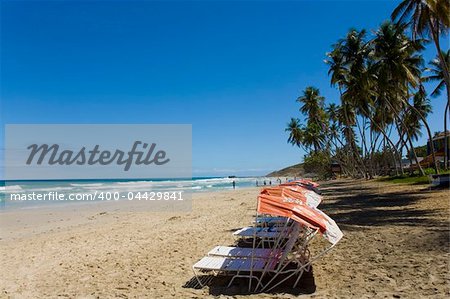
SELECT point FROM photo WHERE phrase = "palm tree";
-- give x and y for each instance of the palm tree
(332, 112)
(359, 87)
(317, 125)
(348, 70)
(312, 103)
(422, 104)
(425, 18)
(337, 70)
(313, 137)
(398, 67)
(411, 119)
(295, 132)
(438, 74)
(307, 137)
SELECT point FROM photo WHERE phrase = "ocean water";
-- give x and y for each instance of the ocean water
(196, 184)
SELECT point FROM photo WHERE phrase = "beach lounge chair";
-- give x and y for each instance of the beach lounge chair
(269, 232)
(308, 184)
(269, 220)
(295, 193)
(290, 245)
(228, 251)
(246, 262)
(313, 219)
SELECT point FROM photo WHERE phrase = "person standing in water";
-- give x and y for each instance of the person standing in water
(234, 185)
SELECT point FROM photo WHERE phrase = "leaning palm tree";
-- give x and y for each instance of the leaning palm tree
(360, 91)
(411, 119)
(348, 70)
(427, 18)
(337, 70)
(398, 67)
(438, 74)
(422, 104)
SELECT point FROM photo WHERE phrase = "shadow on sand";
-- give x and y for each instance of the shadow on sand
(355, 207)
(218, 285)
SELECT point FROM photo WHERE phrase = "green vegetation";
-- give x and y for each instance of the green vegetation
(410, 180)
(380, 79)
(414, 179)
(318, 163)
(421, 151)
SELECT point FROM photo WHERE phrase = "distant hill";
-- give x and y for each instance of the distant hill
(291, 171)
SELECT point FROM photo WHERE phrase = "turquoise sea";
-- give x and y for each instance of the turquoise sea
(196, 184)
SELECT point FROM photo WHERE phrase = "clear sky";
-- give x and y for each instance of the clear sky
(231, 69)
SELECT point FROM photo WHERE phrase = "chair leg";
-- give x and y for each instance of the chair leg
(298, 278)
(198, 279)
(250, 277)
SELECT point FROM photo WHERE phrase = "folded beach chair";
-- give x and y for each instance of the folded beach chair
(314, 220)
(289, 256)
(269, 232)
(244, 252)
(266, 235)
(310, 185)
(295, 193)
(265, 220)
(247, 262)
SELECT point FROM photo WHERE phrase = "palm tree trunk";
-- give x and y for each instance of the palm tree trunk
(357, 157)
(424, 120)
(422, 173)
(399, 118)
(353, 143)
(445, 68)
(376, 170)
(442, 61)
(399, 156)
(445, 137)
(408, 138)
(363, 136)
(364, 146)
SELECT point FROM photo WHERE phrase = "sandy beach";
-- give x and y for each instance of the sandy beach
(396, 244)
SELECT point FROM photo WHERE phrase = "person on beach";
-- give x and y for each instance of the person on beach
(234, 185)
(256, 183)
(264, 183)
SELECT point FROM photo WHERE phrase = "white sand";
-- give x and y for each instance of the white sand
(395, 243)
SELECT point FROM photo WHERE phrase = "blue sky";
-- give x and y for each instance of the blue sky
(231, 69)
